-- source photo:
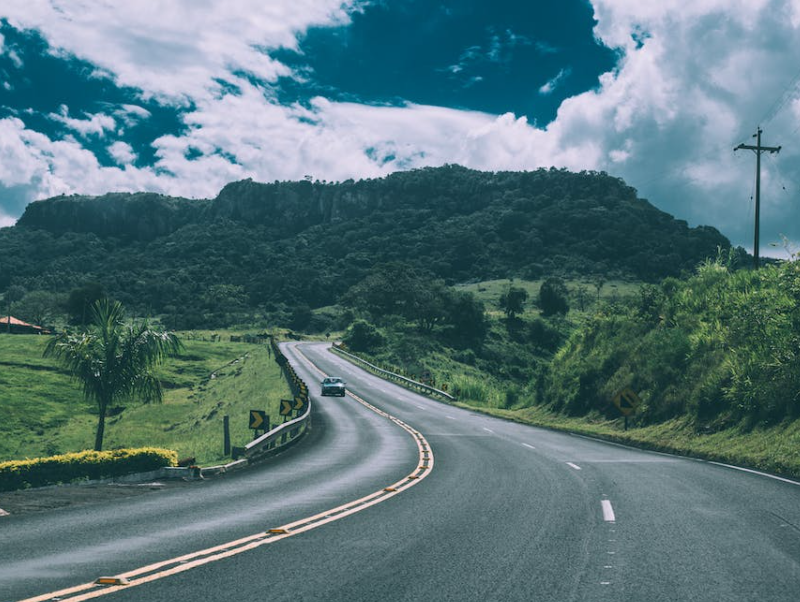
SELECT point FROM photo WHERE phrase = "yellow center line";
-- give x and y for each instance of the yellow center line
(180, 564)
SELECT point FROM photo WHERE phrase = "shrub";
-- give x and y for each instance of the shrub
(38, 472)
(553, 297)
(363, 336)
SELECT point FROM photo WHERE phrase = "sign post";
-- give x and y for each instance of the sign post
(626, 401)
(287, 405)
(258, 421)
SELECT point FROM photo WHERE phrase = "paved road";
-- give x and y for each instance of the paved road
(508, 512)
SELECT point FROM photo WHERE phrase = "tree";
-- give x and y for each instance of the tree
(512, 301)
(13, 294)
(467, 314)
(363, 336)
(80, 301)
(113, 360)
(553, 297)
(38, 307)
(301, 316)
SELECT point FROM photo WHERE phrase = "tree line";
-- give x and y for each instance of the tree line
(261, 251)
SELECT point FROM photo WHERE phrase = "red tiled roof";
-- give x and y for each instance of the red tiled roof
(14, 322)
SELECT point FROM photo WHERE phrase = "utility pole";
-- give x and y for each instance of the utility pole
(758, 149)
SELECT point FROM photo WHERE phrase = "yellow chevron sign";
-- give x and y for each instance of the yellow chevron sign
(257, 419)
(287, 405)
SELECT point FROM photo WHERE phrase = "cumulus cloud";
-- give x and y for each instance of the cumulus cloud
(173, 50)
(122, 152)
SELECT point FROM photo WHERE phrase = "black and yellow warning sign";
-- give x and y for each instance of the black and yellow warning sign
(626, 401)
(258, 420)
(287, 405)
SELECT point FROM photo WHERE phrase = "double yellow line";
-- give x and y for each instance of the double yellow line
(160, 570)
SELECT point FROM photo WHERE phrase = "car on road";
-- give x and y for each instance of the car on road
(333, 385)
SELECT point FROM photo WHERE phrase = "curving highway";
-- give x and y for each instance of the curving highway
(499, 511)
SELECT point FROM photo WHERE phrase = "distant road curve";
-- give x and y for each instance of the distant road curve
(508, 512)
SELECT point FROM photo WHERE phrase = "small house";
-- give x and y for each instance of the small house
(10, 324)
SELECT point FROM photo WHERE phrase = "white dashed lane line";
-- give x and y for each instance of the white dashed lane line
(575, 466)
(608, 513)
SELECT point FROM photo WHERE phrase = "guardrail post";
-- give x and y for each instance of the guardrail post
(226, 435)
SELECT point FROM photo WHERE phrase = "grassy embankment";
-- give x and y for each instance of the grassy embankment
(692, 349)
(43, 411)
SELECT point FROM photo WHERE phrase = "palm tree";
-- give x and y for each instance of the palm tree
(113, 359)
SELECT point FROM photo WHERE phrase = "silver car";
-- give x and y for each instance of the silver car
(333, 385)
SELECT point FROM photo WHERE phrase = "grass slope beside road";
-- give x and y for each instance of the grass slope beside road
(713, 357)
(44, 412)
(774, 449)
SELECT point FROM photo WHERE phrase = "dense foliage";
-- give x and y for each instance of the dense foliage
(722, 347)
(263, 249)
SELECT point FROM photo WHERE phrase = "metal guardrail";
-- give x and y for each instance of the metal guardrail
(407, 382)
(286, 431)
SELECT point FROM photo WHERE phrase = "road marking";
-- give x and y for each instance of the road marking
(449, 417)
(421, 407)
(763, 474)
(173, 566)
(488, 430)
(608, 513)
(3, 512)
(528, 446)
(575, 466)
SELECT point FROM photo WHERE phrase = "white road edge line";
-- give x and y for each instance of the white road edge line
(529, 446)
(608, 511)
(762, 474)
(679, 456)
(488, 430)
(575, 466)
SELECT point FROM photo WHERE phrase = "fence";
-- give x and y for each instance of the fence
(287, 432)
(402, 380)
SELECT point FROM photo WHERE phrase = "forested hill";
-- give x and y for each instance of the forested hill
(290, 242)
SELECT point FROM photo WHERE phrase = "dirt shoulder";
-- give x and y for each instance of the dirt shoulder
(25, 501)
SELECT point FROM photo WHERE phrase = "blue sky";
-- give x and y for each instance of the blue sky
(183, 97)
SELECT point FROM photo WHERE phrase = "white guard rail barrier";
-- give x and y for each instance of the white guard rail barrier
(411, 384)
(287, 430)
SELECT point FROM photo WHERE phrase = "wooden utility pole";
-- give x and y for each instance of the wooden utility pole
(758, 149)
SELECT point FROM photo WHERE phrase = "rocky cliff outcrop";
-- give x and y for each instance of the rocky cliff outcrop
(138, 216)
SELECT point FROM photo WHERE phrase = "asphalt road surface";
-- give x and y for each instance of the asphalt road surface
(504, 512)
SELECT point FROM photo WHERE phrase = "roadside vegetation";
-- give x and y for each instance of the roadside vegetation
(714, 357)
(46, 414)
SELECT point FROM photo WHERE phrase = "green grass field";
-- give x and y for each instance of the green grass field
(42, 411)
(489, 292)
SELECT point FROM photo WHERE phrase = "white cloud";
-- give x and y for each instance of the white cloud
(122, 152)
(556, 81)
(93, 125)
(172, 50)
